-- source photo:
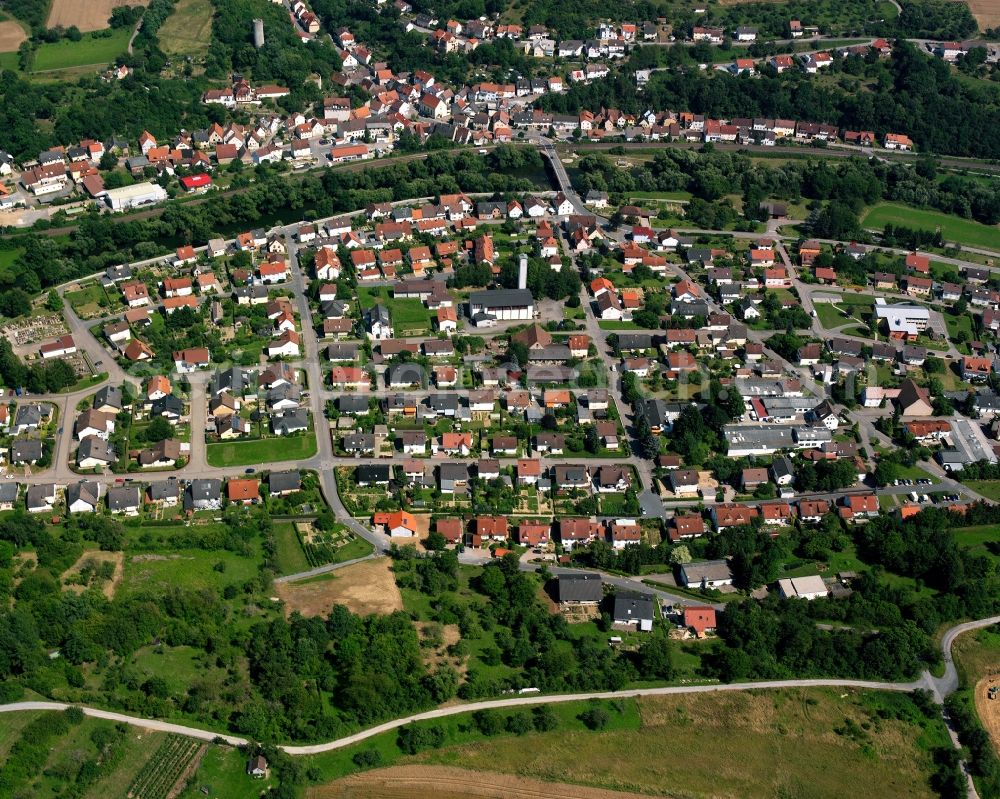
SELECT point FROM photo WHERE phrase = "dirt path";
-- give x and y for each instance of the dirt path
(444, 782)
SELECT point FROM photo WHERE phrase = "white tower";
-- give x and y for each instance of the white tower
(522, 272)
(258, 33)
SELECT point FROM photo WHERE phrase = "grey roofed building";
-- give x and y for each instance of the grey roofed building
(805, 435)
(539, 375)
(569, 475)
(552, 352)
(352, 404)
(497, 299)
(884, 351)
(359, 442)
(26, 450)
(707, 573)
(844, 346)
(116, 274)
(759, 439)
(203, 494)
(164, 490)
(292, 421)
(371, 474)
(661, 414)
(108, 396)
(446, 404)
(781, 469)
(167, 406)
(580, 589)
(94, 448)
(689, 310)
(86, 491)
(122, 499)
(633, 608)
(284, 393)
(238, 382)
(635, 341)
(450, 475)
(284, 482)
(8, 493)
(28, 416)
(377, 315)
(40, 497)
(342, 351)
(333, 309)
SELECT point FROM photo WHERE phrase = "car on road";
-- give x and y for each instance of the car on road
(251, 470)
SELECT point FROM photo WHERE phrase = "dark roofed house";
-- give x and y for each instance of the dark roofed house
(580, 589)
(285, 482)
(633, 610)
(372, 474)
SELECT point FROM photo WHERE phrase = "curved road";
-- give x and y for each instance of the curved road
(940, 686)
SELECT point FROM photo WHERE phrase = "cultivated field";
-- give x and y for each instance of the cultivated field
(365, 588)
(989, 709)
(727, 745)
(442, 782)
(11, 36)
(188, 30)
(986, 12)
(87, 15)
(953, 228)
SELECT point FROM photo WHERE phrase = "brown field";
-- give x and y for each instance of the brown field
(11, 36)
(989, 709)
(109, 587)
(443, 782)
(986, 12)
(87, 15)
(365, 588)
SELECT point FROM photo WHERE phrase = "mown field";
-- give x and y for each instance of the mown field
(261, 451)
(95, 51)
(953, 228)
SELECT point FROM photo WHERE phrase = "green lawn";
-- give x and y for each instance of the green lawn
(958, 324)
(409, 316)
(953, 228)
(90, 50)
(987, 488)
(289, 555)
(660, 195)
(261, 451)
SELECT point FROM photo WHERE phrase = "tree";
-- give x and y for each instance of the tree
(656, 657)
(159, 429)
(54, 302)
(680, 554)
(595, 718)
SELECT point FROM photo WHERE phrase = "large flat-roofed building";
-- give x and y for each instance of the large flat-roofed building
(502, 304)
(126, 197)
(969, 445)
(757, 439)
(903, 320)
(706, 574)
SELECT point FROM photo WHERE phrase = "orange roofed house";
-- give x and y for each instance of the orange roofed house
(400, 524)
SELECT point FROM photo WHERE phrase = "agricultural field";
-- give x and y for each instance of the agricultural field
(87, 15)
(300, 546)
(261, 451)
(91, 51)
(187, 31)
(953, 228)
(987, 488)
(11, 35)
(986, 12)
(171, 763)
(194, 568)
